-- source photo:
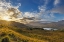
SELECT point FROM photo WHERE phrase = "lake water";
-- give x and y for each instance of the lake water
(50, 29)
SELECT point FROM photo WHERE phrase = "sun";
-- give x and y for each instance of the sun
(7, 18)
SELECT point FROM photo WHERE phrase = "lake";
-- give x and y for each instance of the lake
(50, 29)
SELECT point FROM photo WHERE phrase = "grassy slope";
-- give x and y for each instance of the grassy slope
(15, 36)
(51, 36)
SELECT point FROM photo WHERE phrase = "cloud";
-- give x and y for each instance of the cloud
(56, 2)
(46, 14)
(7, 9)
(13, 12)
(42, 8)
(28, 14)
(59, 10)
(42, 15)
(31, 18)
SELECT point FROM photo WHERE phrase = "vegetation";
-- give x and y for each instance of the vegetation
(10, 35)
(17, 34)
(50, 36)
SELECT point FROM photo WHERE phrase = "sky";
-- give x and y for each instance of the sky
(37, 10)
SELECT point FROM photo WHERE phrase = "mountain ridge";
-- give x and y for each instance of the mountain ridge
(59, 24)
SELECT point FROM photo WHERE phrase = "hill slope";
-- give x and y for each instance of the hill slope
(11, 32)
(12, 24)
(8, 35)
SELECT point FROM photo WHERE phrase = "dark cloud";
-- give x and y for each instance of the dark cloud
(14, 11)
(31, 18)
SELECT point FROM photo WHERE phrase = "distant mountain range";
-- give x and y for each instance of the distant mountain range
(59, 24)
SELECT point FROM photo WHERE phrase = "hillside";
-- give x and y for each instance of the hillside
(12, 24)
(8, 35)
(13, 33)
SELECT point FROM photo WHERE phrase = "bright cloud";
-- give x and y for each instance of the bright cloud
(7, 9)
(43, 14)
(28, 14)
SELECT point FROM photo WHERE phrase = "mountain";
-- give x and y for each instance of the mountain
(12, 24)
(59, 24)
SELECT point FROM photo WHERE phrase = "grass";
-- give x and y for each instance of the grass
(14, 34)
(50, 36)
(16, 37)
